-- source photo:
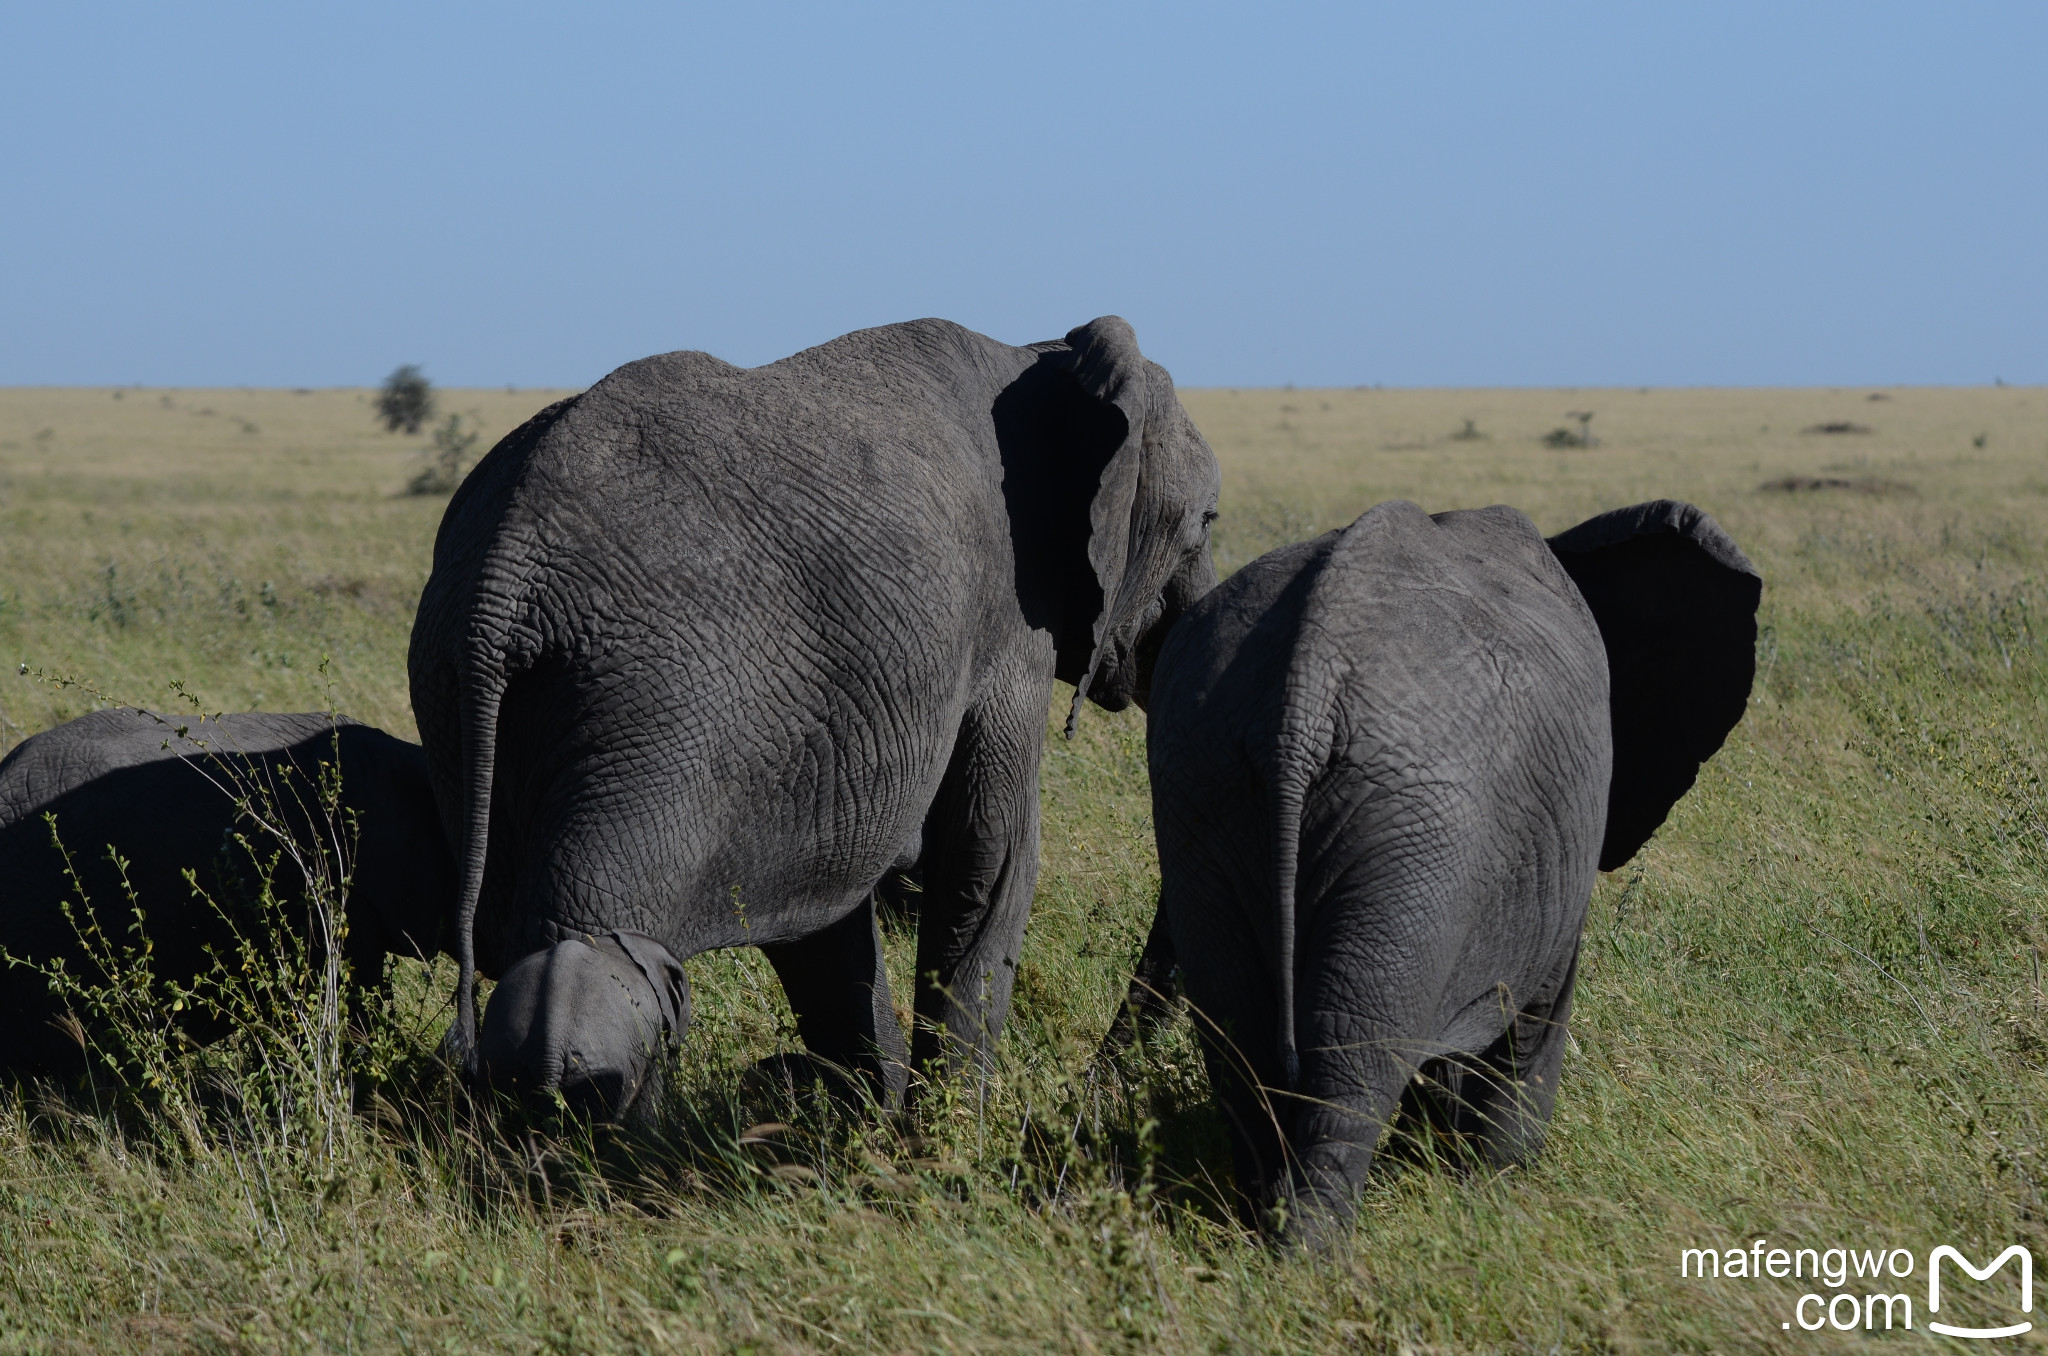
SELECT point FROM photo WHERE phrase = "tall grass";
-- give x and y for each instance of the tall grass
(1810, 1010)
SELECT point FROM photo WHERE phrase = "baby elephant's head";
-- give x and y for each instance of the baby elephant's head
(588, 1021)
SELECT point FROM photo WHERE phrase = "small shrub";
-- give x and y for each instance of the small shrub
(1468, 434)
(453, 442)
(406, 400)
(1564, 437)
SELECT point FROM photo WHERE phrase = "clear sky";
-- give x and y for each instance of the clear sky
(1418, 194)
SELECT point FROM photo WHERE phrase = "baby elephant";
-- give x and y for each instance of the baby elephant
(109, 780)
(1386, 765)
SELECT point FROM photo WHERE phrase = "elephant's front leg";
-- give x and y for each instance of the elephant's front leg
(981, 866)
(1154, 995)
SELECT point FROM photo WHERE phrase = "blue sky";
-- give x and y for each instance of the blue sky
(1444, 194)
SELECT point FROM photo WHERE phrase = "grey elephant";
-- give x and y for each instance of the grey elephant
(1386, 765)
(163, 794)
(705, 647)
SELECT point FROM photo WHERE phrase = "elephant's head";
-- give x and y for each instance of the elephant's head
(1136, 551)
(589, 1020)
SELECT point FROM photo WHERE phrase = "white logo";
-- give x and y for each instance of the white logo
(1858, 1278)
(1982, 1274)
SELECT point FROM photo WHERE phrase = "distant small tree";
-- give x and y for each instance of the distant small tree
(1564, 437)
(407, 400)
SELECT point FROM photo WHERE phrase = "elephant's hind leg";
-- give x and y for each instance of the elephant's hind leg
(980, 868)
(1351, 1083)
(839, 990)
(1500, 1103)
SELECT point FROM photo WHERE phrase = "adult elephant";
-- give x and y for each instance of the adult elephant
(706, 648)
(169, 797)
(1386, 765)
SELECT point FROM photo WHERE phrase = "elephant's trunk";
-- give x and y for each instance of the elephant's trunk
(1081, 689)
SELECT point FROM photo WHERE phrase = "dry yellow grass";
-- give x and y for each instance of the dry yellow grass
(1810, 1011)
(139, 522)
(226, 537)
(1328, 455)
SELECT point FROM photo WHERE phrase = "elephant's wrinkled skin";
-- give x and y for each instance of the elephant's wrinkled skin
(706, 647)
(109, 779)
(1386, 765)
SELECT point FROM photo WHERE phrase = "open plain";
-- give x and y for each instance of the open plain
(1810, 1012)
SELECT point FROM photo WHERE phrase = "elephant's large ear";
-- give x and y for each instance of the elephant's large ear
(1676, 602)
(1135, 538)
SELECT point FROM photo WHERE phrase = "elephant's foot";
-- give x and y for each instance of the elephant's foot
(1332, 1148)
(1314, 1214)
(1493, 1110)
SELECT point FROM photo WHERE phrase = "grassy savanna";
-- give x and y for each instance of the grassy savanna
(1810, 1011)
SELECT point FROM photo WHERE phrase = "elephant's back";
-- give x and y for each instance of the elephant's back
(1471, 659)
(46, 765)
(1474, 749)
(62, 760)
(1413, 616)
(787, 582)
(915, 389)
(745, 529)
(160, 792)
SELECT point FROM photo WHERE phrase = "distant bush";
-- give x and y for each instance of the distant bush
(1468, 434)
(1564, 437)
(407, 400)
(453, 442)
(1858, 485)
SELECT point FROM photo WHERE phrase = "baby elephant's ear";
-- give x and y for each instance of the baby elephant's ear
(1676, 603)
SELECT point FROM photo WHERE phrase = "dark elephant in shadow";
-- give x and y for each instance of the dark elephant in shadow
(164, 794)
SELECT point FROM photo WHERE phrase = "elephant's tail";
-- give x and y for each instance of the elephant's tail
(1303, 737)
(1301, 747)
(482, 692)
(1288, 793)
(474, 629)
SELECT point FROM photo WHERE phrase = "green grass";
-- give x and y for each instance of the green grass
(1810, 1011)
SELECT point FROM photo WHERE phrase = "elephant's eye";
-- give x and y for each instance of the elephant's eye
(1208, 517)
